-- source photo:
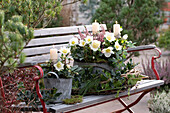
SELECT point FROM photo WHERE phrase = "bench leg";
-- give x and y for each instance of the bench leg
(127, 107)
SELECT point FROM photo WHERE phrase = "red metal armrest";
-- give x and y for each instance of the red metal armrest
(148, 47)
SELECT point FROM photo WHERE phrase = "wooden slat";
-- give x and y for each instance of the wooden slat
(41, 50)
(38, 59)
(62, 30)
(50, 40)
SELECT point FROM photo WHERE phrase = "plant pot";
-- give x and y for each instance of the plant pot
(63, 86)
(96, 66)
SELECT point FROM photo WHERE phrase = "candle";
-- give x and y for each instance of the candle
(53, 53)
(95, 27)
(116, 29)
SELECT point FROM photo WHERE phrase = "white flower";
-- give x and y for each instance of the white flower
(118, 46)
(82, 43)
(65, 50)
(89, 39)
(95, 45)
(125, 36)
(59, 66)
(108, 51)
(73, 41)
(109, 36)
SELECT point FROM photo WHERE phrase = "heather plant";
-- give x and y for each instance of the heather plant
(163, 68)
(19, 81)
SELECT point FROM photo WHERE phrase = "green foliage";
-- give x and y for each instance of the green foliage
(35, 13)
(30, 97)
(14, 35)
(97, 80)
(164, 40)
(50, 95)
(139, 18)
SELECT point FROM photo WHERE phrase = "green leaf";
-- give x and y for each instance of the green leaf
(22, 58)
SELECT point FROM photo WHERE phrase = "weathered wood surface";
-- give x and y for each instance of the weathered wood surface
(41, 50)
(91, 100)
(143, 47)
(50, 40)
(63, 30)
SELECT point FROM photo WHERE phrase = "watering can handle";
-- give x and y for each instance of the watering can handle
(53, 74)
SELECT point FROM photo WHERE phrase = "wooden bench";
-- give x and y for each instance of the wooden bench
(38, 49)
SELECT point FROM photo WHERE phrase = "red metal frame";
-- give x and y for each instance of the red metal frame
(127, 107)
(2, 89)
(153, 63)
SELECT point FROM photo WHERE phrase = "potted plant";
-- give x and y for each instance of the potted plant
(59, 74)
(102, 56)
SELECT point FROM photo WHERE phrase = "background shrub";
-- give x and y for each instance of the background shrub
(164, 40)
(160, 103)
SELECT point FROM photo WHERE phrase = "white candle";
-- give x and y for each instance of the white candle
(53, 53)
(95, 27)
(116, 29)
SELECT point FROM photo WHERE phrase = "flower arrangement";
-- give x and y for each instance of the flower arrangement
(101, 47)
(61, 66)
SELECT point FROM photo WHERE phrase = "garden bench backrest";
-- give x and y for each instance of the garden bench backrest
(38, 49)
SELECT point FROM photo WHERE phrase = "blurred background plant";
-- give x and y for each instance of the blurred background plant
(35, 13)
(160, 102)
(140, 18)
(164, 39)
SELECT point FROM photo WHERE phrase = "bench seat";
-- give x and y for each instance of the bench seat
(89, 101)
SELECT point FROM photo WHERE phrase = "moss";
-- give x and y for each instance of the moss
(73, 100)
